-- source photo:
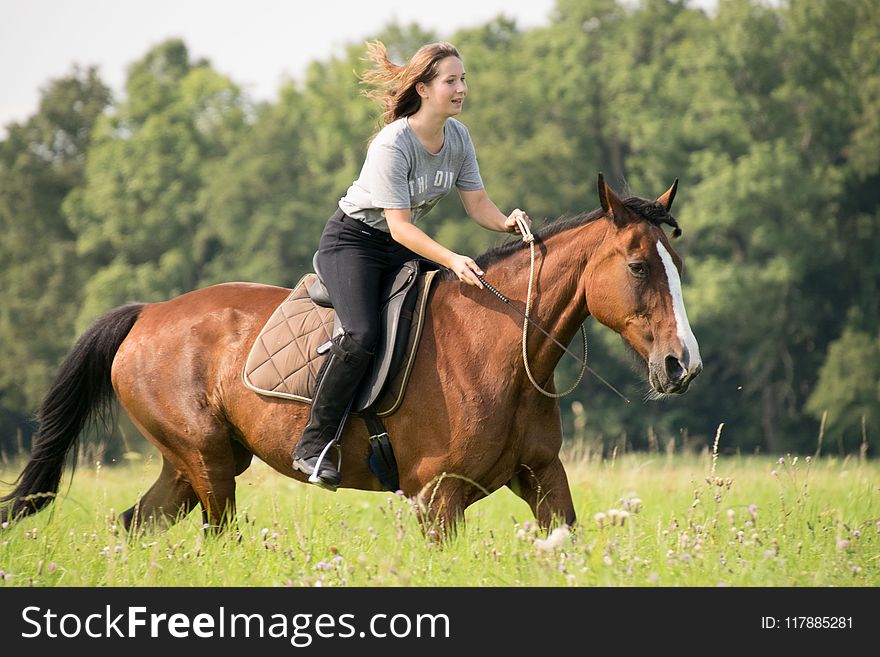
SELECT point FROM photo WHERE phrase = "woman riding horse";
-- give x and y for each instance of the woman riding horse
(471, 421)
(415, 160)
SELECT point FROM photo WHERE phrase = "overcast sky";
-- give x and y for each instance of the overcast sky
(257, 43)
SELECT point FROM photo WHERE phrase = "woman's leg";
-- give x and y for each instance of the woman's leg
(352, 268)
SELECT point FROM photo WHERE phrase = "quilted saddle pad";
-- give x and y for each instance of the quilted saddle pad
(284, 361)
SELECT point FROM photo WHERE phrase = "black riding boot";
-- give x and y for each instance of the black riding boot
(335, 388)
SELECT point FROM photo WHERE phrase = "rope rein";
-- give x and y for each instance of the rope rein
(530, 239)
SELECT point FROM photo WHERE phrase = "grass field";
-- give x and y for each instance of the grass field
(644, 520)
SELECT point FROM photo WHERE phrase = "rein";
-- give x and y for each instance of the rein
(530, 239)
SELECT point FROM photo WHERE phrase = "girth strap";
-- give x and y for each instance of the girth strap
(381, 461)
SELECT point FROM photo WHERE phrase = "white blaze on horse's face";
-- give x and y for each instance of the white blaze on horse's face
(693, 364)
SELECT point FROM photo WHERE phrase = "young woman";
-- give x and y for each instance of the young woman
(415, 160)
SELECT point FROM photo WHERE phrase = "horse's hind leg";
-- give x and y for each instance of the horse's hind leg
(169, 498)
(172, 496)
(546, 491)
(212, 473)
(201, 461)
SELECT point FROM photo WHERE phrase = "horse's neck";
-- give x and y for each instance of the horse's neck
(557, 297)
(560, 264)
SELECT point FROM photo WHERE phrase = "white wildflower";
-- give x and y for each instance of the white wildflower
(556, 539)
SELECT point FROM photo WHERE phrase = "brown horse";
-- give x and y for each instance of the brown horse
(471, 421)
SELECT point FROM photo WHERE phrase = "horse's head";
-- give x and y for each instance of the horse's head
(633, 286)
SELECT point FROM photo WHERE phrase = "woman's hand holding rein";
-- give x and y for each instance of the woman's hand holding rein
(512, 226)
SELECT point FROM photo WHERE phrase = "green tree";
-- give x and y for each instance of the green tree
(41, 161)
(138, 215)
(849, 387)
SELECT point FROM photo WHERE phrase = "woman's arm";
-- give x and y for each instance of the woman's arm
(415, 239)
(481, 209)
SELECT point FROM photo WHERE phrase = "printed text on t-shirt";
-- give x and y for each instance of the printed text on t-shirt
(442, 179)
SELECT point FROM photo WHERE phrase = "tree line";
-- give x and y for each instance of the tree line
(769, 114)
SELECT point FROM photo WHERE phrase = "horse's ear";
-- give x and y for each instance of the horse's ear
(669, 196)
(611, 203)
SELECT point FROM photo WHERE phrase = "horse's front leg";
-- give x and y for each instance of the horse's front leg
(441, 504)
(546, 491)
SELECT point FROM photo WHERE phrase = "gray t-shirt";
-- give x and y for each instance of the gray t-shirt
(399, 172)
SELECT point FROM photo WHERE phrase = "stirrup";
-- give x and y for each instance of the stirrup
(314, 478)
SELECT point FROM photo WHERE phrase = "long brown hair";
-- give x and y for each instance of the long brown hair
(396, 85)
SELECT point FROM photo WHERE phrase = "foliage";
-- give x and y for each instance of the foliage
(138, 216)
(849, 384)
(767, 113)
(41, 163)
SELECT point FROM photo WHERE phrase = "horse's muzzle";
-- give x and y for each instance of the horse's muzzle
(670, 376)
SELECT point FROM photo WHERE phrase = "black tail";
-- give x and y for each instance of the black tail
(81, 391)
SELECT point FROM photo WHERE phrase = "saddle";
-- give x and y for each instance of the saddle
(291, 347)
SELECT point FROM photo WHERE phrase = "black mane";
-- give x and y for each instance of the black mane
(650, 211)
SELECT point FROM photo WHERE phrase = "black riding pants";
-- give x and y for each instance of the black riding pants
(353, 259)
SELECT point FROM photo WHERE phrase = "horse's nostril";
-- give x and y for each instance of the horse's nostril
(674, 370)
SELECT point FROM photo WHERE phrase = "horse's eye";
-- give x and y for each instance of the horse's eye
(638, 269)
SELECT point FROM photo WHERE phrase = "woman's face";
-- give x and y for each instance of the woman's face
(445, 93)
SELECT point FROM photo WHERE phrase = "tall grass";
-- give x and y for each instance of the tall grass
(644, 520)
